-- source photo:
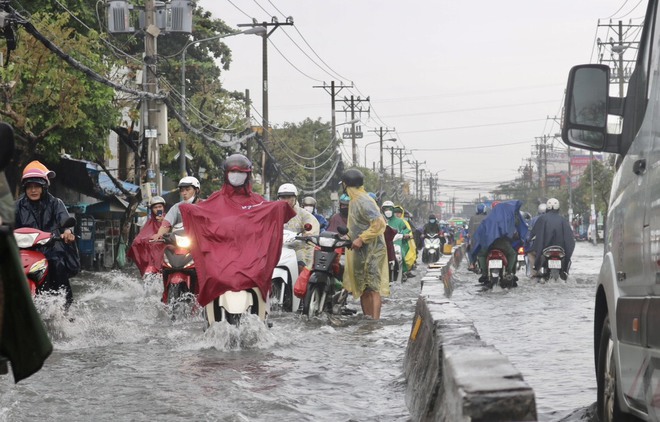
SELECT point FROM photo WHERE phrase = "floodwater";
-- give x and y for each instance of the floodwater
(119, 356)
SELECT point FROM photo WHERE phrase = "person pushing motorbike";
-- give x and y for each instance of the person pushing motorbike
(366, 273)
(551, 229)
(146, 255)
(38, 209)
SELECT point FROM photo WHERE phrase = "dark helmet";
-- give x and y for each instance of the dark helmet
(431, 216)
(237, 162)
(481, 209)
(353, 178)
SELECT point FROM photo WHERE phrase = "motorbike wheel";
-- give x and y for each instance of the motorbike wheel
(275, 294)
(233, 319)
(608, 407)
(314, 300)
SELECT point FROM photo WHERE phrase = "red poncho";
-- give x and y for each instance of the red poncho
(236, 240)
(146, 254)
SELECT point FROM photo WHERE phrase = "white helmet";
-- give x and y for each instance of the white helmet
(189, 181)
(387, 204)
(542, 208)
(553, 204)
(308, 200)
(287, 189)
(156, 200)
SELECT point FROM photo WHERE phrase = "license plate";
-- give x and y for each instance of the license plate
(521, 258)
(495, 263)
(554, 264)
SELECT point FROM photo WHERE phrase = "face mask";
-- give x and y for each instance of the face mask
(432, 221)
(189, 201)
(309, 208)
(343, 212)
(388, 214)
(237, 178)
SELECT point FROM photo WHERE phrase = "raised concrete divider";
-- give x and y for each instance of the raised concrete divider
(451, 374)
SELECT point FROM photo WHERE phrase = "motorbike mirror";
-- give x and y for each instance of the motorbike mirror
(69, 222)
(6, 145)
(307, 227)
(342, 230)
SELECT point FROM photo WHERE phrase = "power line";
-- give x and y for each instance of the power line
(473, 126)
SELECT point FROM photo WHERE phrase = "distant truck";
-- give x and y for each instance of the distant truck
(627, 300)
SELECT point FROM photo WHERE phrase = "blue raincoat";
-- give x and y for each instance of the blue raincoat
(504, 220)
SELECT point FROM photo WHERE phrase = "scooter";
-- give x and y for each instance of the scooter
(553, 259)
(326, 272)
(35, 264)
(232, 305)
(431, 251)
(496, 264)
(284, 276)
(396, 273)
(179, 275)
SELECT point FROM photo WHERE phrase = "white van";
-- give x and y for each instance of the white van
(627, 308)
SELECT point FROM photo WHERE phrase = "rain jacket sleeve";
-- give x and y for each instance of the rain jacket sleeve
(367, 267)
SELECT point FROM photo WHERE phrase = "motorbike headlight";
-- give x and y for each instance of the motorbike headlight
(182, 241)
(38, 269)
(326, 242)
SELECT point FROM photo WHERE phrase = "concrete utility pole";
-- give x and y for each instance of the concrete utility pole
(149, 106)
(274, 24)
(354, 105)
(334, 90)
(381, 133)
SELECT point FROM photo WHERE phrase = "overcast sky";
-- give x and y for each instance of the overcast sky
(468, 85)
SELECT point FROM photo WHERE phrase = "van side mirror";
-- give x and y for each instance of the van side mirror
(6, 145)
(586, 107)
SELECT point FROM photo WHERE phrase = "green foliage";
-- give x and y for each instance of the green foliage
(603, 176)
(52, 106)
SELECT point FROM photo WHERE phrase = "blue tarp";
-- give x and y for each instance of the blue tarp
(501, 221)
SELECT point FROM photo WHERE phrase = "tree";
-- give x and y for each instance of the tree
(603, 176)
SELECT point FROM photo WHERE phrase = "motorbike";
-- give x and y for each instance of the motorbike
(496, 264)
(284, 276)
(553, 259)
(179, 275)
(324, 292)
(396, 275)
(432, 248)
(35, 264)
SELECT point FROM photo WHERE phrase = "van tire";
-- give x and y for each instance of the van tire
(608, 406)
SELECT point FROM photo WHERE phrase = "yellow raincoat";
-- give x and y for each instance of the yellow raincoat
(366, 268)
(411, 256)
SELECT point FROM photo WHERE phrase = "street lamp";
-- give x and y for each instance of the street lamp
(182, 154)
(381, 150)
(316, 132)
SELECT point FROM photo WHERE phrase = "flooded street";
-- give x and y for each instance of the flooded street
(546, 330)
(119, 356)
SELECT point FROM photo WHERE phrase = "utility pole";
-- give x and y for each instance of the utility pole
(354, 105)
(274, 24)
(381, 133)
(334, 90)
(149, 106)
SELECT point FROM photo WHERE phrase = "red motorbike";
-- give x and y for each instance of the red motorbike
(179, 274)
(496, 264)
(34, 261)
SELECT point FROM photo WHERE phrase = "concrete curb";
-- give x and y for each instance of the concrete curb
(451, 374)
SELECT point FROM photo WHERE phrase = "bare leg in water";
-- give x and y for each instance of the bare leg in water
(371, 303)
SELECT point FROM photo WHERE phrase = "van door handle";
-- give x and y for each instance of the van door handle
(639, 167)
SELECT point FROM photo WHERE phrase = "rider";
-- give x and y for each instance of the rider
(551, 229)
(400, 226)
(503, 226)
(147, 256)
(235, 233)
(38, 209)
(304, 251)
(309, 203)
(432, 227)
(411, 256)
(340, 219)
(189, 189)
(474, 222)
(529, 241)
